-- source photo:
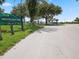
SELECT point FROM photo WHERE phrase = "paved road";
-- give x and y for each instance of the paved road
(51, 42)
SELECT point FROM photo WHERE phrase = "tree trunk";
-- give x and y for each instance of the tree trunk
(38, 21)
(0, 33)
(46, 20)
(31, 21)
(56, 22)
(24, 21)
(22, 26)
(11, 26)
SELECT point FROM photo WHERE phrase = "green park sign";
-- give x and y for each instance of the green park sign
(6, 18)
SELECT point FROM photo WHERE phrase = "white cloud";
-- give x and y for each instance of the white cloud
(6, 4)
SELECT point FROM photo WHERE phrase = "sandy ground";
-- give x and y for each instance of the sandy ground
(51, 42)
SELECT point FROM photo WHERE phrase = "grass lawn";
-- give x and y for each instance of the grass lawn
(10, 40)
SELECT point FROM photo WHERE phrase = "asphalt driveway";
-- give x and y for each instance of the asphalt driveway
(51, 42)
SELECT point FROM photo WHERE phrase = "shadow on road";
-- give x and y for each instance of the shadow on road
(47, 30)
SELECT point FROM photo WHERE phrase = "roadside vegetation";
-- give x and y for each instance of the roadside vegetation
(10, 40)
(11, 33)
(76, 20)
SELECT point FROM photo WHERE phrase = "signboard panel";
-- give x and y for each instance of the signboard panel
(7, 22)
(6, 19)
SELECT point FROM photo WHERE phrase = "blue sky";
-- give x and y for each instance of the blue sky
(8, 5)
(70, 8)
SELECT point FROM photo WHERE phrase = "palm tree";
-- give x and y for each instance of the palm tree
(32, 9)
(32, 4)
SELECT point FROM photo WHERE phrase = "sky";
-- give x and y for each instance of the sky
(70, 8)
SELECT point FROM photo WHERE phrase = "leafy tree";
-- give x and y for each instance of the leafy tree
(32, 9)
(2, 1)
(77, 20)
(1, 10)
(19, 10)
(48, 10)
(43, 10)
(28, 8)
